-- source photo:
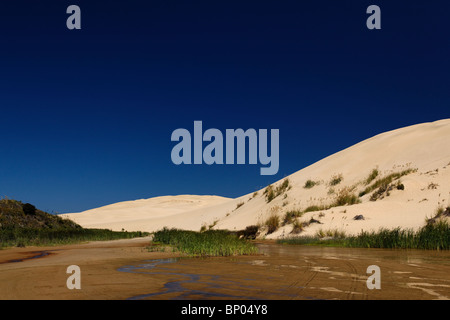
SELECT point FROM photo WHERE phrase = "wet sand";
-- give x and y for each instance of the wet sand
(124, 269)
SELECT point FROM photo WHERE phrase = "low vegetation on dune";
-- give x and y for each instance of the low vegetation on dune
(375, 184)
(336, 179)
(381, 185)
(298, 227)
(23, 225)
(343, 197)
(310, 183)
(373, 174)
(208, 243)
(272, 192)
(291, 215)
(272, 223)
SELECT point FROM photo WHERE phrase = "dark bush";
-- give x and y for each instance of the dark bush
(29, 209)
(250, 232)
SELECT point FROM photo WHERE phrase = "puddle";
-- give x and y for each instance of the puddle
(36, 255)
(209, 285)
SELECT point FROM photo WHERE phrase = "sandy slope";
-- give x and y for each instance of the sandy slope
(425, 147)
(149, 214)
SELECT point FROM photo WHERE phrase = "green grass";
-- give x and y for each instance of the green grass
(305, 240)
(208, 243)
(430, 237)
(20, 237)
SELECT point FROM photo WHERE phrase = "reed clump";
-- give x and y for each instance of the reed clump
(435, 236)
(208, 243)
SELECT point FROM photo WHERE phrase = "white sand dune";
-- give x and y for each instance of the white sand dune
(148, 214)
(425, 147)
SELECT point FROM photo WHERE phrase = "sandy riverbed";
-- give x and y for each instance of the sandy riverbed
(124, 269)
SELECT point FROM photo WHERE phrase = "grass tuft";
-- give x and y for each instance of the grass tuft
(272, 223)
(309, 184)
(382, 184)
(240, 204)
(373, 174)
(208, 243)
(336, 179)
(345, 197)
(271, 192)
(291, 215)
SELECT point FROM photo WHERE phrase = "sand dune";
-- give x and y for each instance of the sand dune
(147, 214)
(423, 147)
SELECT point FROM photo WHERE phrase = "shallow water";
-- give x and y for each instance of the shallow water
(299, 272)
(33, 255)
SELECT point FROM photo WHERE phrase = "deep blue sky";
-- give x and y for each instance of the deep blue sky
(86, 115)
